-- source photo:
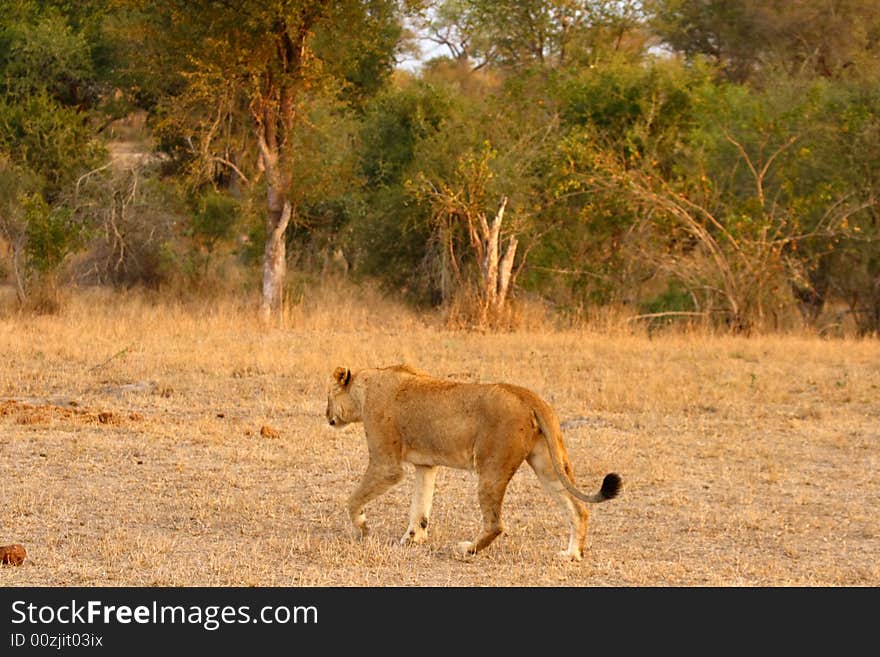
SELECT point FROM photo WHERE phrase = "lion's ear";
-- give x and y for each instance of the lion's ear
(342, 376)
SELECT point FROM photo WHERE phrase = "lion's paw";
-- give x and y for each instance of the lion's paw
(570, 555)
(465, 549)
(414, 537)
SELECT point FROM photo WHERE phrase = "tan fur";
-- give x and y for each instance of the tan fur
(411, 417)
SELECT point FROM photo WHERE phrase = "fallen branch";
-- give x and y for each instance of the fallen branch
(119, 353)
(670, 313)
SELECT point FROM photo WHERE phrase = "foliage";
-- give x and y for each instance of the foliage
(48, 86)
(51, 233)
(746, 37)
(708, 157)
(138, 228)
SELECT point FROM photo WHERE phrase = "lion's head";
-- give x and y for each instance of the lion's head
(341, 409)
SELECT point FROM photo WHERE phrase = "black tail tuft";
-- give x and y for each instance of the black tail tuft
(611, 485)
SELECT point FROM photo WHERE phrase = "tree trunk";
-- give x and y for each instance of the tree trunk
(279, 210)
(16, 240)
(489, 268)
(812, 294)
(16, 269)
(275, 117)
(496, 269)
(505, 271)
(274, 262)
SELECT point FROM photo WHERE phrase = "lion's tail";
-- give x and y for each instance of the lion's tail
(611, 484)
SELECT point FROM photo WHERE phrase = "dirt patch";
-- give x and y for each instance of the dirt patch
(25, 413)
(12, 555)
(268, 432)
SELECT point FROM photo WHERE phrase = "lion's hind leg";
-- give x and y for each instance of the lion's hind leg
(420, 510)
(491, 491)
(577, 512)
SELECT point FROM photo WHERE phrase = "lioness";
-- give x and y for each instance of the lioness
(490, 428)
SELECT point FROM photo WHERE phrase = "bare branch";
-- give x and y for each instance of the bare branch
(760, 175)
(231, 165)
(80, 180)
(669, 313)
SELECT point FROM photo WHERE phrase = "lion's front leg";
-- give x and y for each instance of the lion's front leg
(376, 480)
(420, 509)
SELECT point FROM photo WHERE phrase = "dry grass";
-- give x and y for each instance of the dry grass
(154, 444)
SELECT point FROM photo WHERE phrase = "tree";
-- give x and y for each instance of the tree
(846, 153)
(14, 186)
(517, 33)
(627, 111)
(462, 203)
(249, 68)
(820, 37)
(389, 238)
(742, 219)
(48, 93)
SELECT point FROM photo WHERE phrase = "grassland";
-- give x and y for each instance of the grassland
(147, 443)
